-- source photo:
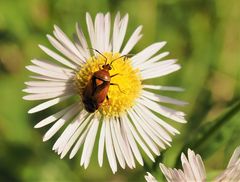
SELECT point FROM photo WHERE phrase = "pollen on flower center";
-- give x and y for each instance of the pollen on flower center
(128, 79)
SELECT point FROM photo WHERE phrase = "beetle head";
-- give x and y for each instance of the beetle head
(107, 67)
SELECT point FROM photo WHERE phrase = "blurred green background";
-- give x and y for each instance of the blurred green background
(203, 34)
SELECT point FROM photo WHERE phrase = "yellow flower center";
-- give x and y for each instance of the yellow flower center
(127, 83)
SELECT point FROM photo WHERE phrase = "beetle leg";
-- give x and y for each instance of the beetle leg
(114, 75)
(118, 87)
(108, 102)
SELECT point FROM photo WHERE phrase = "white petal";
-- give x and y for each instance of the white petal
(124, 145)
(235, 157)
(40, 90)
(138, 139)
(107, 27)
(52, 118)
(74, 58)
(52, 67)
(46, 78)
(132, 143)
(133, 40)
(232, 172)
(121, 34)
(47, 84)
(159, 121)
(157, 72)
(187, 169)
(152, 134)
(66, 117)
(143, 133)
(145, 54)
(116, 146)
(149, 63)
(45, 96)
(58, 58)
(99, 32)
(194, 165)
(90, 30)
(201, 167)
(89, 143)
(63, 142)
(115, 32)
(101, 143)
(167, 112)
(161, 65)
(48, 73)
(157, 129)
(155, 135)
(173, 174)
(82, 40)
(164, 171)
(48, 104)
(162, 99)
(149, 178)
(61, 36)
(164, 88)
(83, 51)
(109, 148)
(80, 140)
(81, 131)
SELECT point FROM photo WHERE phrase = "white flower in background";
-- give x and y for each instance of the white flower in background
(232, 172)
(150, 178)
(126, 115)
(194, 170)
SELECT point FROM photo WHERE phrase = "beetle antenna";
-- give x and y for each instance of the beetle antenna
(112, 67)
(105, 58)
(123, 56)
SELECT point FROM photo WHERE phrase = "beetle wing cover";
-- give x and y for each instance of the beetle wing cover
(101, 92)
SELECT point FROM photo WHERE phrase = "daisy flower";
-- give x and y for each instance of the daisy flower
(194, 170)
(105, 85)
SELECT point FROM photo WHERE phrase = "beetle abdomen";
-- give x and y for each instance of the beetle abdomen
(90, 104)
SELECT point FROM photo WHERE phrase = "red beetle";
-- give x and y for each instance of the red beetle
(97, 87)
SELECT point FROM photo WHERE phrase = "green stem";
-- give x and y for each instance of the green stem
(218, 123)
